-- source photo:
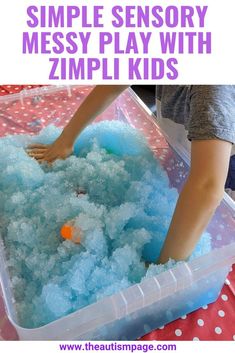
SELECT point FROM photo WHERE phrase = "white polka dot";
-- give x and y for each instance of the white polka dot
(178, 332)
(227, 282)
(224, 297)
(196, 339)
(183, 317)
(205, 307)
(221, 313)
(200, 322)
(161, 328)
(234, 337)
(218, 330)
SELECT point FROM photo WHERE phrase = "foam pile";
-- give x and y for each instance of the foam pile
(124, 215)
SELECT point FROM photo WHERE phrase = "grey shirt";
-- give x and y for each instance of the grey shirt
(207, 112)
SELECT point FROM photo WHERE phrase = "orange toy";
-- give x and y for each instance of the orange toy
(70, 232)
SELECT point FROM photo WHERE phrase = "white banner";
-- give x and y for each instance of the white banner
(118, 346)
(117, 42)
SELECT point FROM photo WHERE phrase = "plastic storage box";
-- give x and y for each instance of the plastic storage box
(143, 307)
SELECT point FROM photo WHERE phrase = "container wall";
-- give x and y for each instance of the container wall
(109, 319)
(163, 311)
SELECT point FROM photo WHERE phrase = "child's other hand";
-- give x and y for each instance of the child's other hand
(60, 149)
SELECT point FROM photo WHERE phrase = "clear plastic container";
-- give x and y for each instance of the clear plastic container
(143, 307)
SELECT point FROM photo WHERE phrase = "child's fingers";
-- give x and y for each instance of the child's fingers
(42, 156)
(36, 151)
(39, 158)
(45, 154)
(37, 145)
(36, 154)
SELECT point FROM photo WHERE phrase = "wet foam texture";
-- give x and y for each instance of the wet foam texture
(124, 215)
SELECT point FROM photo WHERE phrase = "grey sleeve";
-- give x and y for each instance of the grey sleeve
(212, 113)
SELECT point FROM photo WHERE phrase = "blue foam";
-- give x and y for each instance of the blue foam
(124, 215)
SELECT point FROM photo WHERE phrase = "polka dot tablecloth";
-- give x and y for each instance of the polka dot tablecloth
(213, 322)
(9, 89)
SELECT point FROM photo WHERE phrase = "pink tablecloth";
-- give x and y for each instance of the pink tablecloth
(213, 322)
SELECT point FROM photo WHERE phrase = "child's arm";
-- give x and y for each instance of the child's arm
(201, 195)
(97, 101)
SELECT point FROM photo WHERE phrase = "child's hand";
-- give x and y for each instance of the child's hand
(96, 102)
(60, 149)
